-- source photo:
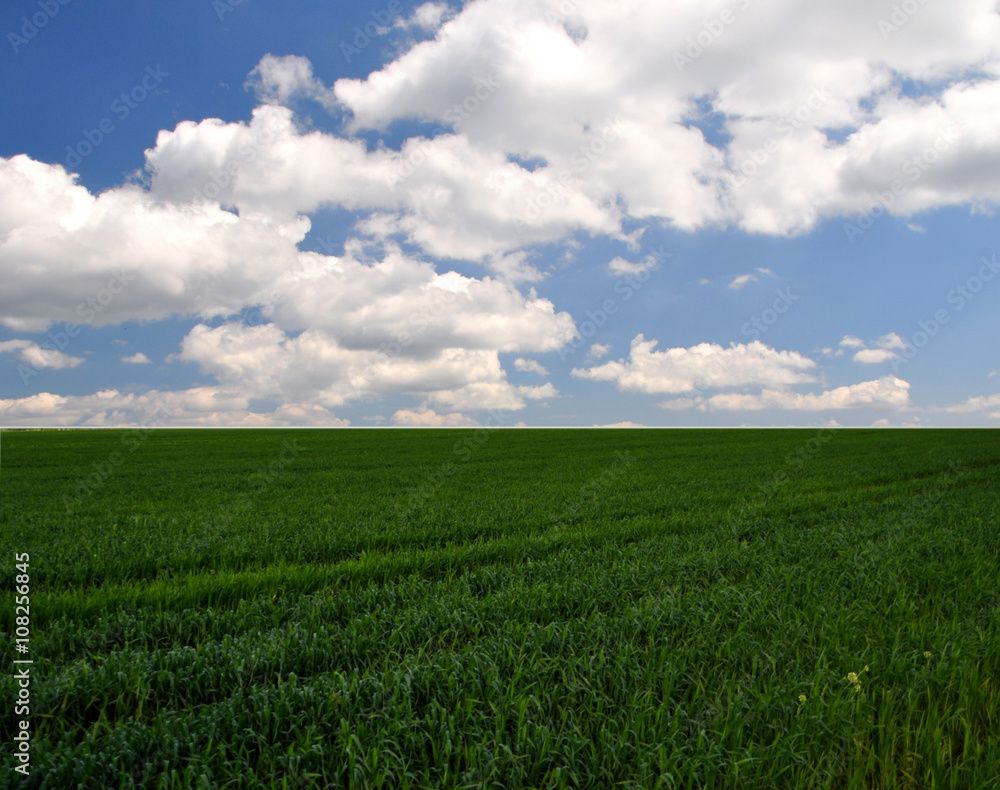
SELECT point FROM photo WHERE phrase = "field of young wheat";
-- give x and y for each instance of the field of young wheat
(502, 608)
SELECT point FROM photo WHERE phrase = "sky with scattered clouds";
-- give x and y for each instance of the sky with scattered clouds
(500, 212)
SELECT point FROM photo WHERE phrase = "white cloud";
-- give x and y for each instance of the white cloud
(886, 392)
(987, 404)
(38, 357)
(137, 256)
(432, 191)
(892, 342)
(399, 301)
(873, 356)
(530, 366)
(741, 280)
(593, 94)
(887, 345)
(431, 418)
(599, 350)
(278, 80)
(679, 404)
(542, 392)
(428, 17)
(619, 266)
(780, 73)
(197, 406)
(265, 362)
(682, 370)
(125, 255)
(138, 358)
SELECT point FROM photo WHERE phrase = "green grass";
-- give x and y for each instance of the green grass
(506, 609)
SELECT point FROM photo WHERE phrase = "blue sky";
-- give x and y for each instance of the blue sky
(539, 213)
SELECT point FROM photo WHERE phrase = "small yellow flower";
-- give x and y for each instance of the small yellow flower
(927, 654)
(802, 697)
(852, 677)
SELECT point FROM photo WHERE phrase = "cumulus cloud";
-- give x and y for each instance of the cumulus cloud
(599, 350)
(433, 191)
(278, 80)
(778, 78)
(530, 366)
(886, 392)
(679, 370)
(741, 280)
(884, 351)
(124, 255)
(138, 358)
(872, 356)
(489, 394)
(38, 357)
(139, 256)
(620, 266)
(985, 404)
(892, 342)
(560, 120)
(196, 406)
(430, 418)
(266, 362)
(427, 17)
(403, 303)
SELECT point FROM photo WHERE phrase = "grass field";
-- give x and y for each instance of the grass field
(505, 609)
